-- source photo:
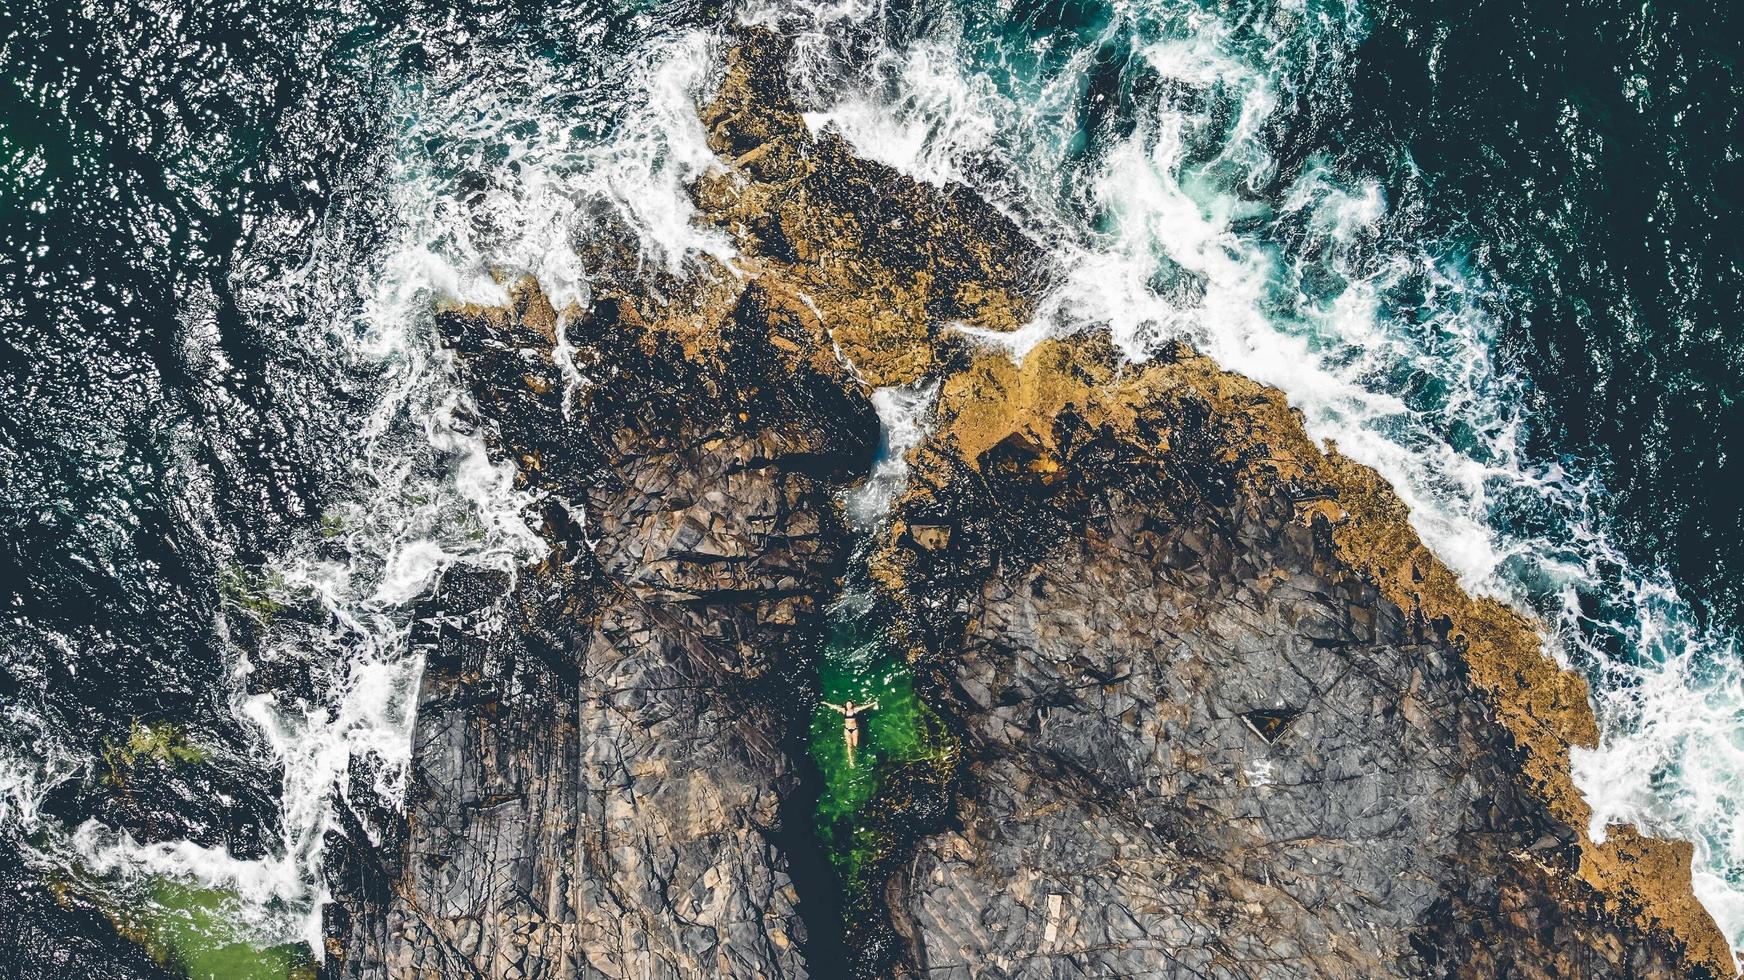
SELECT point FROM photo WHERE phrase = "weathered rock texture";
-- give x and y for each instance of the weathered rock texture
(1220, 712)
(598, 758)
(1224, 716)
(888, 263)
(602, 743)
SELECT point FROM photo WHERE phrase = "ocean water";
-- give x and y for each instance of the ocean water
(1491, 249)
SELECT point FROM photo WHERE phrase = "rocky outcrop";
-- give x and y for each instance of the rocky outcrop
(605, 740)
(599, 757)
(1208, 735)
(889, 264)
(1216, 710)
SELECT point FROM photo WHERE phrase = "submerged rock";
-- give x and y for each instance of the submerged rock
(1218, 712)
(54, 931)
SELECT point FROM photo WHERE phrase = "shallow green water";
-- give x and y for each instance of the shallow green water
(192, 930)
(859, 663)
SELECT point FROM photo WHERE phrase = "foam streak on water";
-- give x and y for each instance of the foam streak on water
(1178, 228)
(498, 172)
(903, 413)
(511, 132)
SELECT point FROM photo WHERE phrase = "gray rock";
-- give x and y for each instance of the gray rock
(599, 758)
(1195, 750)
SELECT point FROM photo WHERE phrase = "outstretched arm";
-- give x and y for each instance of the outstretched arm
(836, 708)
(873, 706)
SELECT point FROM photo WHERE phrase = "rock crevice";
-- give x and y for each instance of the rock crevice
(602, 745)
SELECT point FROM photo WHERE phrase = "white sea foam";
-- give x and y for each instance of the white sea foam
(1386, 346)
(928, 138)
(25, 780)
(903, 413)
(489, 182)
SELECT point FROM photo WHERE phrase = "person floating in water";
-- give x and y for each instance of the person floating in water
(851, 713)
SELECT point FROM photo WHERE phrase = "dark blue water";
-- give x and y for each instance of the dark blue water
(154, 433)
(1493, 247)
(1594, 153)
(229, 454)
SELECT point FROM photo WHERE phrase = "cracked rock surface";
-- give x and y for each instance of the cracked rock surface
(1218, 712)
(1130, 819)
(599, 767)
(1197, 743)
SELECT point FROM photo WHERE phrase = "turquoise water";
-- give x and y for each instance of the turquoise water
(1490, 248)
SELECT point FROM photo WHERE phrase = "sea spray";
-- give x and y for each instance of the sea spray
(902, 415)
(1166, 207)
(493, 175)
(441, 500)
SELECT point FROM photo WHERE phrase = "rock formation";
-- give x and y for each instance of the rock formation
(1217, 711)
(1224, 715)
(600, 759)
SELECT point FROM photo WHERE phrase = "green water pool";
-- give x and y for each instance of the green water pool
(859, 663)
(192, 930)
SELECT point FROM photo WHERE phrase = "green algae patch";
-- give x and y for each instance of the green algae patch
(159, 743)
(260, 595)
(192, 931)
(901, 734)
